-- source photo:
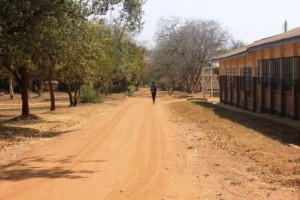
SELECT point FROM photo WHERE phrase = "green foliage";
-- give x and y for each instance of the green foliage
(131, 89)
(89, 95)
(68, 41)
(216, 70)
(117, 89)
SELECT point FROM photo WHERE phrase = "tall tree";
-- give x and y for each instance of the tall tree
(187, 47)
(23, 24)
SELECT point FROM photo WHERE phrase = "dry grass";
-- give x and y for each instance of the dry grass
(261, 141)
(19, 135)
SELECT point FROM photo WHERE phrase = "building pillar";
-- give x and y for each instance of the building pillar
(254, 96)
(282, 83)
(225, 89)
(282, 98)
(237, 91)
(295, 87)
(231, 93)
(221, 88)
(244, 92)
(271, 88)
(262, 92)
(295, 90)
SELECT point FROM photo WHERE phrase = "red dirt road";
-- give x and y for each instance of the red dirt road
(130, 152)
(133, 151)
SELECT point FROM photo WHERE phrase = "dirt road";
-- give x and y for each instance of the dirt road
(132, 151)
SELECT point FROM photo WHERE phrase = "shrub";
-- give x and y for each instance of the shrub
(117, 89)
(89, 95)
(130, 90)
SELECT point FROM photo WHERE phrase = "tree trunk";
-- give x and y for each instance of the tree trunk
(70, 98)
(11, 88)
(24, 92)
(75, 101)
(170, 91)
(70, 95)
(52, 98)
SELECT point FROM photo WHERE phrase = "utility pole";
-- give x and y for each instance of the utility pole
(285, 26)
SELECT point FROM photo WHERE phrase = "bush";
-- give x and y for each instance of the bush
(130, 90)
(117, 89)
(89, 95)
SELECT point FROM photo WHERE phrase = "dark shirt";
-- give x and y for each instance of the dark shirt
(153, 89)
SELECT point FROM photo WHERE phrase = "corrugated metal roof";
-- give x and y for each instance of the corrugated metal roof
(279, 39)
(234, 53)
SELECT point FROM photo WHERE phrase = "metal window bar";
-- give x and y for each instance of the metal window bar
(258, 73)
(228, 78)
(288, 71)
(265, 72)
(248, 79)
(275, 64)
(232, 77)
(241, 79)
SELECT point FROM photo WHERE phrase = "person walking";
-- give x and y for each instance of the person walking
(153, 90)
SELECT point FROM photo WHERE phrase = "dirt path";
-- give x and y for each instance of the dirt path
(133, 151)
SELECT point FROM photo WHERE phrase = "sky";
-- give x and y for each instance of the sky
(245, 20)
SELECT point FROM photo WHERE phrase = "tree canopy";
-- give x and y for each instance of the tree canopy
(183, 48)
(63, 39)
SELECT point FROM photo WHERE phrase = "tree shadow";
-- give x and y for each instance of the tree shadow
(13, 132)
(274, 130)
(32, 172)
(31, 119)
(30, 168)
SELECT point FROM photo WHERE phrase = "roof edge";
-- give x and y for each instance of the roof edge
(289, 37)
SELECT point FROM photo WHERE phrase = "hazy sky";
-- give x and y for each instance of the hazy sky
(246, 20)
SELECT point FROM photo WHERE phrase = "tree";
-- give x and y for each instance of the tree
(120, 61)
(235, 44)
(160, 70)
(184, 48)
(23, 25)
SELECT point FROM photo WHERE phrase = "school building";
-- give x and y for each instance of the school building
(264, 76)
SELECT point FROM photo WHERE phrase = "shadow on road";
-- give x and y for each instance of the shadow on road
(275, 130)
(30, 168)
(13, 132)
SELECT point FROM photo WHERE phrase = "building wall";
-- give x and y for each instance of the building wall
(265, 80)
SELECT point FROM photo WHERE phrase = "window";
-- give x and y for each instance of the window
(241, 79)
(228, 78)
(232, 77)
(275, 65)
(288, 72)
(248, 81)
(265, 73)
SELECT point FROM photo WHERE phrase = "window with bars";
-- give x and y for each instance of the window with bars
(228, 78)
(232, 77)
(241, 79)
(288, 72)
(265, 72)
(248, 81)
(275, 65)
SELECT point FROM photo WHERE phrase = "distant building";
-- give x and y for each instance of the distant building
(264, 76)
(55, 85)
